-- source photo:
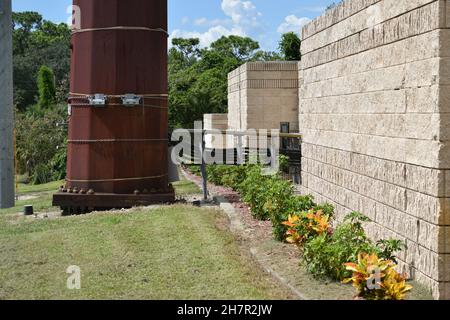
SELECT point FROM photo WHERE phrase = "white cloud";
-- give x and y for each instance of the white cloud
(203, 22)
(185, 20)
(241, 12)
(293, 23)
(243, 17)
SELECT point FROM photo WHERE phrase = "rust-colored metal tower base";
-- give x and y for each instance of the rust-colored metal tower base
(118, 123)
(83, 203)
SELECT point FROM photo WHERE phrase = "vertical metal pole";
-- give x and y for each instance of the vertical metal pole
(6, 107)
(203, 169)
(240, 153)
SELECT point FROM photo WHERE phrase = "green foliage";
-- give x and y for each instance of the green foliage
(241, 48)
(297, 219)
(386, 249)
(253, 190)
(307, 225)
(41, 144)
(37, 42)
(269, 197)
(290, 46)
(386, 283)
(46, 87)
(293, 206)
(326, 208)
(42, 173)
(228, 176)
(326, 255)
(188, 48)
(284, 163)
(198, 76)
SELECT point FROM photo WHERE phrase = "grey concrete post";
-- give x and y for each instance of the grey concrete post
(6, 107)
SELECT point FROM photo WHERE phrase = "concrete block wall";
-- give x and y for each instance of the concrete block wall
(215, 121)
(262, 95)
(374, 108)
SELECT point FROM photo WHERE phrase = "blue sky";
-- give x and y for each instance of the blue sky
(263, 20)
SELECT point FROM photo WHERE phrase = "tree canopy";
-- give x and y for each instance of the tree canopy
(37, 42)
(290, 46)
(46, 87)
(198, 76)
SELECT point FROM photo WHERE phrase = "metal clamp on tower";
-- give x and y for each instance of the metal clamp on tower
(98, 100)
(131, 99)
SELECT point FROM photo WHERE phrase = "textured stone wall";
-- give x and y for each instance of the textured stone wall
(261, 95)
(374, 103)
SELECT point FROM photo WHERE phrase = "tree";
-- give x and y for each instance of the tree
(189, 48)
(38, 42)
(41, 144)
(24, 23)
(198, 78)
(241, 48)
(267, 56)
(46, 87)
(290, 46)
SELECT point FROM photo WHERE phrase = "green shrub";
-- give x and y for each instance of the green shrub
(46, 87)
(327, 209)
(326, 255)
(284, 163)
(295, 205)
(387, 248)
(228, 176)
(223, 175)
(42, 144)
(254, 191)
(59, 162)
(42, 173)
(195, 169)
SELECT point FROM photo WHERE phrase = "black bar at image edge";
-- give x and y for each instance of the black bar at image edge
(225, 309)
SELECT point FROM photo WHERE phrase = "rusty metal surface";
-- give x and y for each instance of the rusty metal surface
(86, 203)
(117, 149)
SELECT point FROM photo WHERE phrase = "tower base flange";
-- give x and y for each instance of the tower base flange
(71, 203)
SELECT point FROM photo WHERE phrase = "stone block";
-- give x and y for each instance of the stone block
(424, 207)
(424, 99)
(425, 180)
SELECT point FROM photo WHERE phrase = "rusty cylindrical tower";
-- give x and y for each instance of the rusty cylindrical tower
(118, 116)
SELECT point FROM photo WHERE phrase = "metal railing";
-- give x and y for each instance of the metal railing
(288, 144)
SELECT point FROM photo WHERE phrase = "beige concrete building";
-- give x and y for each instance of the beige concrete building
(262, 95)
(373, 104)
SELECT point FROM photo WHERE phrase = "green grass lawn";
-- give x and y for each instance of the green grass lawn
(29, 188)
(164, 252)
(185, 188)
(40, 197)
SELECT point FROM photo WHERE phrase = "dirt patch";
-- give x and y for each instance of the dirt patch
(27, 197)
